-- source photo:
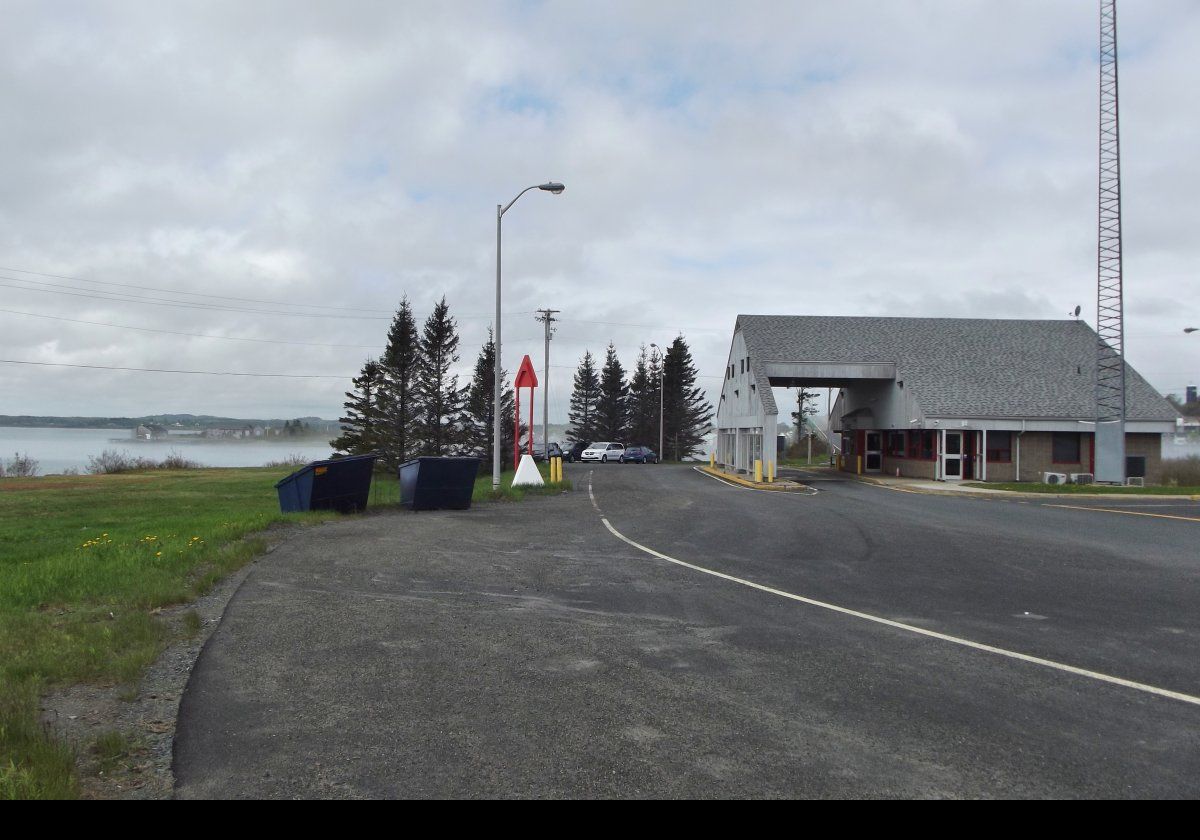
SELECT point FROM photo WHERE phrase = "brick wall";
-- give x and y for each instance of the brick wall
(1151, 447)
(909, 467)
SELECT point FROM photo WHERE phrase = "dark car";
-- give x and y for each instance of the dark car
(555, 452)
(572, 454)
(639, 455)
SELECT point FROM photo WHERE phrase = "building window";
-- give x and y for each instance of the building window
(1065, 448)
(999, 447)
(922, 445)
(742, 365)
(895, 445)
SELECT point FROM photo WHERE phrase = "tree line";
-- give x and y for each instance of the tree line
(607, 407)
(407, 402)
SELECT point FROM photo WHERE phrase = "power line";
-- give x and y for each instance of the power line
(174, 304)
(197, 372)
(203, 307)
(193, 294)
(191, 335)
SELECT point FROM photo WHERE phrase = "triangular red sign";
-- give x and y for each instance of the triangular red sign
(526, 378)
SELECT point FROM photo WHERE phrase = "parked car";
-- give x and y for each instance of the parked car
(603, 452)
(639, 455)
(576, 451)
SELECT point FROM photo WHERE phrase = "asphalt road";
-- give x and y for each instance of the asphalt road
(534, 650)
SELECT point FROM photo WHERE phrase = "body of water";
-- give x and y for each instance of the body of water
(57, 450)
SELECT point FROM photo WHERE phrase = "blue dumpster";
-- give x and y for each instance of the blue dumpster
(341, 484)
(431, 483)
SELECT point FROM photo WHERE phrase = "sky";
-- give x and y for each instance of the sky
(251, 186)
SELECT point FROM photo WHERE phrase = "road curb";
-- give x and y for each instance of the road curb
(777, 486)
(980, 493)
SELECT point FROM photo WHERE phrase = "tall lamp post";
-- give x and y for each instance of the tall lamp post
(662, 372)
(550, 187)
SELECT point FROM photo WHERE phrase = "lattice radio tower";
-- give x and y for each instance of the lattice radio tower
(1110, 319)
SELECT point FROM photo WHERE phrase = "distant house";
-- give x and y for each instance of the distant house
(151, 431)
(937, 398)
(230, 433)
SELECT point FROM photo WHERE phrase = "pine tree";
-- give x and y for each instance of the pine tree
(440, 400)
(398, 396)
(643, 403)
(582, 413)
(479, 416)
(360, 426)
(687, 414)
(612, 410)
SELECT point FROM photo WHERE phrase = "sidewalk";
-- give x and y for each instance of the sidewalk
(955, 488)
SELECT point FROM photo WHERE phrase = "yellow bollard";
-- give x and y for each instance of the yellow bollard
(712, 460)
(556, 470)
(860, 465)
(757, 471)
(770, 472)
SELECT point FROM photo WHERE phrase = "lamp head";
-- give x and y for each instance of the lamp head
(552, 187)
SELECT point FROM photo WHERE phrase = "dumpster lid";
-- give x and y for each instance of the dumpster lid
(325, 463)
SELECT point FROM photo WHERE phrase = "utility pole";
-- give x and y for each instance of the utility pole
(546, 316)
(662, 372)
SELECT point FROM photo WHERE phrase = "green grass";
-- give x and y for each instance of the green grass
(1084, 489)
(84, 560)
(84, 563)
(817, 461)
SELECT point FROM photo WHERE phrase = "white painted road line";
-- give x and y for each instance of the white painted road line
(1127, 512)
(921, 631)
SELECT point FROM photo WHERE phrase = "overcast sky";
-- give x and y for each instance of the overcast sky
(886, 158)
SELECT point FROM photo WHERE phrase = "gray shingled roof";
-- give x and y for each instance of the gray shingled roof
(960, 367)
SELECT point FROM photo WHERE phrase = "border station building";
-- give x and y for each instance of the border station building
(935, 398)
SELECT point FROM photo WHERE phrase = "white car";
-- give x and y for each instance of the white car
(603, 452)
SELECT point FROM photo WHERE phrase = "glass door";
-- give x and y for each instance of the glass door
(952, 456)
(874, 454)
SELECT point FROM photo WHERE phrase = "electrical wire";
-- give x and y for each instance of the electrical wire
(192, 335)
(192, 294)
(127, 297)
(197, 372)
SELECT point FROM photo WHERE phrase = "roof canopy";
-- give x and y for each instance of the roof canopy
(956, 367)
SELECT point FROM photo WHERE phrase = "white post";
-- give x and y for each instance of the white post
(983, 458)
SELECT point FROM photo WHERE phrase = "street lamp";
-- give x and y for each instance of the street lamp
(662, 372)
(1190, 329)
(551, 187)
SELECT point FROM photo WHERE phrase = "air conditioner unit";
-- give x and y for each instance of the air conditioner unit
(1054, 478)
(1082, 478)
(1135, 481)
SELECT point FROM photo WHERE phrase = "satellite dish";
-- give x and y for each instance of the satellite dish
(1077, 310)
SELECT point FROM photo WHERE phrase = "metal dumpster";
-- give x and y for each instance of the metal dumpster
(341, 484)
(431, 483)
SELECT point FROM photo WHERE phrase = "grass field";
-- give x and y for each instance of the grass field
(85, 561)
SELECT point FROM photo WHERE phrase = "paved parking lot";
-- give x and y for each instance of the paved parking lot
(670, 635)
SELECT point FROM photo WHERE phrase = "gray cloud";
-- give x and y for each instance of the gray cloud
(853, 158)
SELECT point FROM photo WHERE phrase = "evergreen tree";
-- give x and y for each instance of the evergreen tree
(643, 403)
(586, 394)
(439, 399)
(612, 409)
(479, 416)
(398, 398)
(360, 426)
(806, 407)
(687, 414)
